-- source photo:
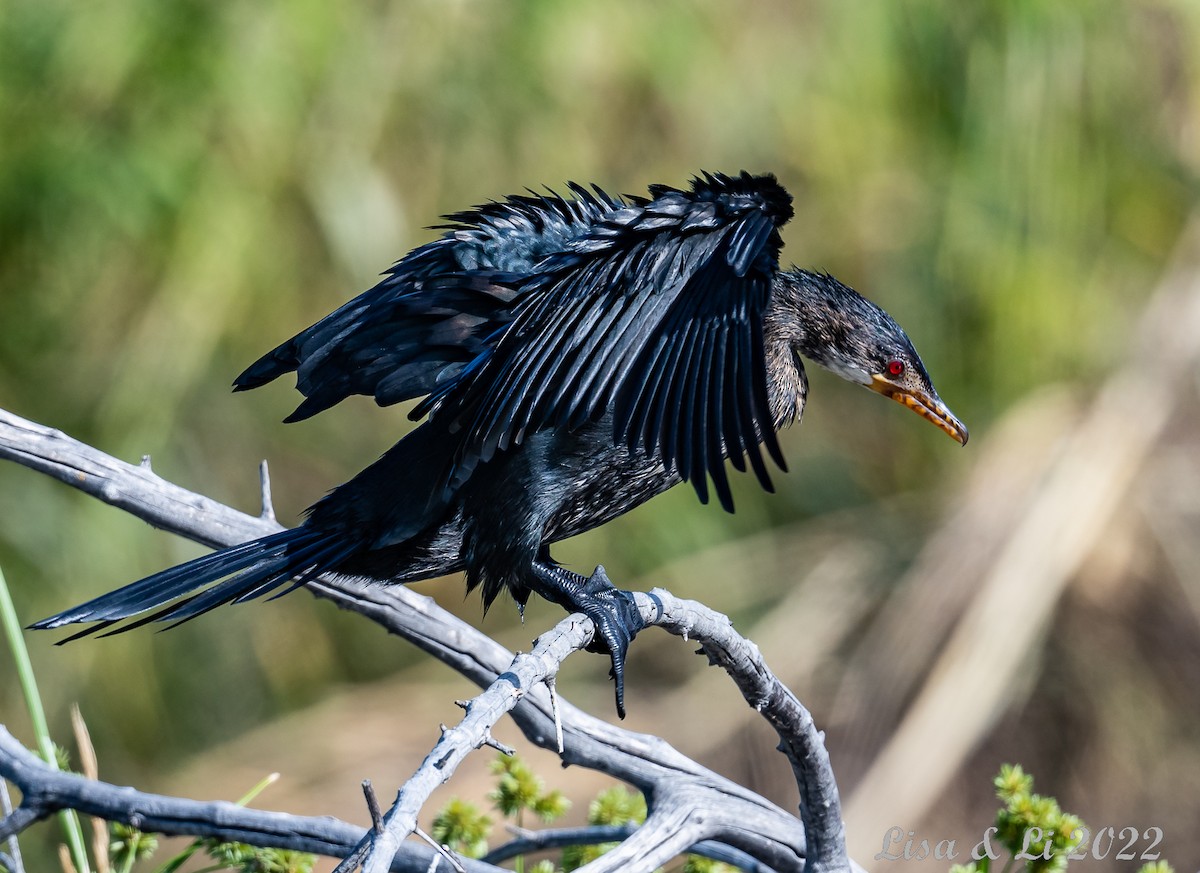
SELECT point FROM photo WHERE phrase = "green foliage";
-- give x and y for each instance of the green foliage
(252, 859)
(282, 859)
(1156, 867)
(461, 827)
(519, 789)
(613, 806)
(1034, 829)
(62, 758)
(697, 864)
(1031, 825)
(617, 806)
(128, 845)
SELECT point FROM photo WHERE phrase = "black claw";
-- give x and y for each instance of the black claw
(618, 620)
(614, 612)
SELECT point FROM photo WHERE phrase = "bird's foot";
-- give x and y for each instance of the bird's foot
(612, 610)
(618, 620)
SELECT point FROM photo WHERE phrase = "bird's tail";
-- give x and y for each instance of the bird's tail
(253, 569)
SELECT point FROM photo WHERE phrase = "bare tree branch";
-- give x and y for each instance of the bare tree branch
(46, 790)
(12, 858)
(474, 731)
(690, 802)
(528, 841)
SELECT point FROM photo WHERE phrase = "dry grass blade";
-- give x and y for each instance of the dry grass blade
(91, 769)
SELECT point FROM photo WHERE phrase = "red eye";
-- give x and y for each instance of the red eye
(895, 368)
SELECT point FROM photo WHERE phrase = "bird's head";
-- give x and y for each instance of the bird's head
(841, 330)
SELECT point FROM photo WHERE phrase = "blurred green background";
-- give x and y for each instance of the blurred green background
(184, 185)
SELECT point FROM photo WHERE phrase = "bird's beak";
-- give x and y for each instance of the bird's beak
(925, 403)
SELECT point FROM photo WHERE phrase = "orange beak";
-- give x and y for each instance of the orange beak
(926, 404)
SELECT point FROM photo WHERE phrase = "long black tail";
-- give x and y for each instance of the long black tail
(253, 569)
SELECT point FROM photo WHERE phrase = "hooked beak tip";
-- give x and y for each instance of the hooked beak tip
(927, 405)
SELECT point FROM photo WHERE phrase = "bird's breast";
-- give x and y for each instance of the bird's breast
(605, 481)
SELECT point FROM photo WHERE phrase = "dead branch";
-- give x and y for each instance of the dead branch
(688, 804)
(46, 790)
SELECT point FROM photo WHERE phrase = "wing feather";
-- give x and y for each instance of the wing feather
(436, 310)
(729, 419)
(655, 314)
(538, 312)
(713, 420)
(688, 451)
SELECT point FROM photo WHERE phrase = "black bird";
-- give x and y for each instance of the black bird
(577, 357)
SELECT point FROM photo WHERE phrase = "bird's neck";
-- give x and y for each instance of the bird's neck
(787, 383)
(820, 319)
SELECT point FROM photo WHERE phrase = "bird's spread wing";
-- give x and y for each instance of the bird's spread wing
(657, 313)
(436, 310)
(402, 339)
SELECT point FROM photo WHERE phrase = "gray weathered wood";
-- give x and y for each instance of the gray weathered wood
(45, 790)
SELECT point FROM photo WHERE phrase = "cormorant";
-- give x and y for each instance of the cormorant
(577, 357)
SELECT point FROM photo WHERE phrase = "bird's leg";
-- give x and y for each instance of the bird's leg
(613, 611)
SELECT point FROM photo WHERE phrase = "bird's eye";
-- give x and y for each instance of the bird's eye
(895, 368)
